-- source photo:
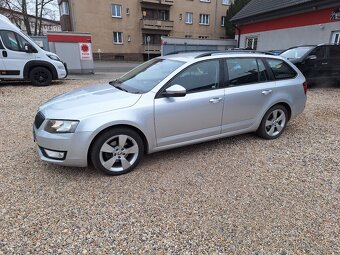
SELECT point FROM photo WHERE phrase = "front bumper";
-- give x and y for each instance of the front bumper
(62, 70)
(74, 145)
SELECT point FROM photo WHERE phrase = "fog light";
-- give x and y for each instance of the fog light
(54, 154)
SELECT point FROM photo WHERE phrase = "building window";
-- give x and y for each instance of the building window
(116, 11)
(205, 1)
(117, 37)
(188, 17)
(64, 8)
(204, 19)
(223, 21)
(226, 2)
(251, 43)
(203, 37)
(188, 36)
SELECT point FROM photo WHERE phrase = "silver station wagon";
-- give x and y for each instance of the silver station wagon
(168, 102)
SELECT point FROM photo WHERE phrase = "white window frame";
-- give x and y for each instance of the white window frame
(226, 2)
(116, 38)
(223, 21)
(205, 1)
(64, 8)
(254, 40)
(116, 10)
(189, 17)
(204, 19)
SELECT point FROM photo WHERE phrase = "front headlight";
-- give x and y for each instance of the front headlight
(61, 126)
(53, 57)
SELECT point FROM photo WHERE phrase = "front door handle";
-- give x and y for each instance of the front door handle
(324, 63)
(267, 92)
(215, 100)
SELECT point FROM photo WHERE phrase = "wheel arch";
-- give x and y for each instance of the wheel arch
(287, 106)
(39, 63)
(137, 130)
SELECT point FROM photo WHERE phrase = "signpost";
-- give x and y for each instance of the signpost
(148, 39)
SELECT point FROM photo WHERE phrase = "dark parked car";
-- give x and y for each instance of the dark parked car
(319, 63)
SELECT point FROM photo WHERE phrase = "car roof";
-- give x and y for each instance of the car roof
(191, 56)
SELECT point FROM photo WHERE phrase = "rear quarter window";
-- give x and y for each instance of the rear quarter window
(281, 70)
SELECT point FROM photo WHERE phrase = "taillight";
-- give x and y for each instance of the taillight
(305, 87)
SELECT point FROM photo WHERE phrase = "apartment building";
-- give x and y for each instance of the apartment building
(132, 29)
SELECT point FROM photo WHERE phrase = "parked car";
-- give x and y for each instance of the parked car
(22, 59)
(168, 102)
(318, 63)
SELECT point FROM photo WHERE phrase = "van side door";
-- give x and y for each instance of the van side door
(315, 64)
(2, 64)
(14, 56)
(333, 58)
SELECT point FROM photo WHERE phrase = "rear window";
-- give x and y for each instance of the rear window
(334, 51)
(246, 70)
(281, 70)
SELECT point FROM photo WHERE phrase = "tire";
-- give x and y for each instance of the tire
(117, 151)
(273, 123)
(40, 76)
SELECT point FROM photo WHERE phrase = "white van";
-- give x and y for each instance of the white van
(22, 59)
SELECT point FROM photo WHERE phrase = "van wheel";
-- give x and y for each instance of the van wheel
(40, 76)
(117, 151)
(273, 123)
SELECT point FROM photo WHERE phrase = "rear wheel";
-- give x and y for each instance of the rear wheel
(273, 122)
(117, 151)
(40, 76)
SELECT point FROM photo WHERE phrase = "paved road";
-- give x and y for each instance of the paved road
(117, 67)
(106, 70)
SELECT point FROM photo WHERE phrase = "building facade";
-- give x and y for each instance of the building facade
(17, 18)
(132, 29)
(278, 25)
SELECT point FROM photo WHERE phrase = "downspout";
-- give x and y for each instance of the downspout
(239, 35)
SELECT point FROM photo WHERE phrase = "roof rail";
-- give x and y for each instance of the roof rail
(206, 54)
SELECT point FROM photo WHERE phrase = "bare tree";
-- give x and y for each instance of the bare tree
(39, 9)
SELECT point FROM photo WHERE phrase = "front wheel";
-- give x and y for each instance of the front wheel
(117, 151)
(273, 122)
(40, 76)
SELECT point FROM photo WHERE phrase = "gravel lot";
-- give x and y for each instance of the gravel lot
(239, 195)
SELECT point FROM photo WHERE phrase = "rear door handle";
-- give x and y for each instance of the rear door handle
(324, 63)
(215, 100)
(266, 92)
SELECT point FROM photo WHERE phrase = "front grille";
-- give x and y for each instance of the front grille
(39, 119)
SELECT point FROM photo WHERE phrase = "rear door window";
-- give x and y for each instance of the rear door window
(281, 70)
(244, 71)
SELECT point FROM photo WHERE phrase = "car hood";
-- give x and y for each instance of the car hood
(87, 101)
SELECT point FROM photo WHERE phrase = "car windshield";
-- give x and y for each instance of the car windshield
(296, 53)
(146, 76)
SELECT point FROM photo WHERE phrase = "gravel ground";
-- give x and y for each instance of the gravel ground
(239, 195)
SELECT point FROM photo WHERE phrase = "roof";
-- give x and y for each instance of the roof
(259, 7)
(19, 14)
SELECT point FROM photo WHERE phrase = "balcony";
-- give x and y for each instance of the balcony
(153, 49)
(157, 24)
(164, 2)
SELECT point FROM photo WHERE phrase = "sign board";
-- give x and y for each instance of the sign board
(85, 51)
(335, 15)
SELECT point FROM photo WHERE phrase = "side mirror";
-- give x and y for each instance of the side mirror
(175, 91)
(311, 57)
(29, 48)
